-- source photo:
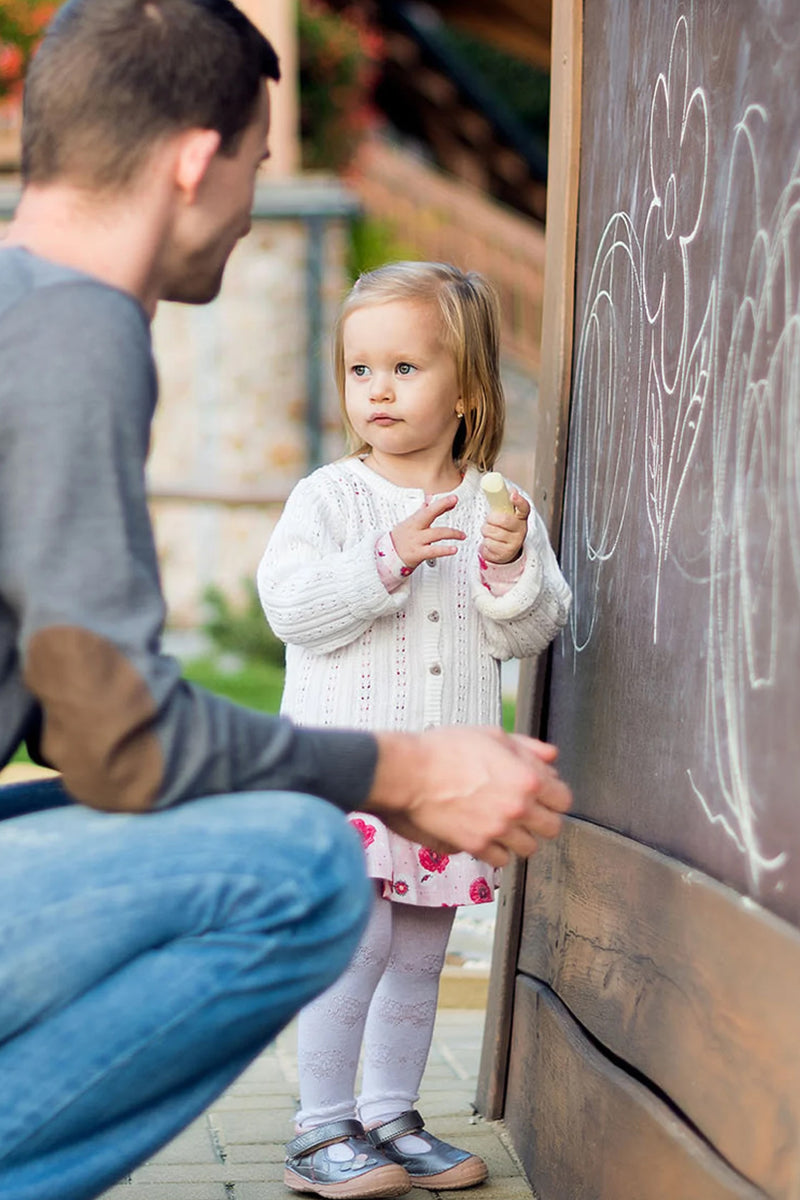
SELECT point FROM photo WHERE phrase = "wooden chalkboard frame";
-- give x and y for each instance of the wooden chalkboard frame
(548, 483)
(634, 1148)
(612, 1025)
(682, 982)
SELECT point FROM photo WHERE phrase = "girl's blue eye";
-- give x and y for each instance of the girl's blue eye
(404, 368)
(359, 369)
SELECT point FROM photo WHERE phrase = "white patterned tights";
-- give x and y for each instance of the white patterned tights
(387, 999)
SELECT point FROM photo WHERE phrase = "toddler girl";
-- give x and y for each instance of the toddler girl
(397, 593)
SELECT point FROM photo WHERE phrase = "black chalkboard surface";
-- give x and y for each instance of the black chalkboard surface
(675, 692)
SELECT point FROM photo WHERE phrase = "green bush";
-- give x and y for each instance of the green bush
(243, 630)
(22, 23)
(373, 243)
(337, 58)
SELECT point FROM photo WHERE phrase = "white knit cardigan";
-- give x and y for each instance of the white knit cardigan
(424, 655)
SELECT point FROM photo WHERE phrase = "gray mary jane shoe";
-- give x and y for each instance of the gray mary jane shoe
(368, 1173)
(442, 1167)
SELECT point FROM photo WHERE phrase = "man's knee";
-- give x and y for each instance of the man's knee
(311, 861)
(358, 897)
(338, 865)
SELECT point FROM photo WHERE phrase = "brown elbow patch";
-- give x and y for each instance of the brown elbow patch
(98, 717)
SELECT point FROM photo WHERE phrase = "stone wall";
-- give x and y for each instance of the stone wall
(230, 437)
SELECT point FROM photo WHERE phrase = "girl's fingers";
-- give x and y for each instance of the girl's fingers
(497, 546)
(441, 534)
(503, 537)
(498, 555)
(430, 511)
(523, 508)
(503, 523)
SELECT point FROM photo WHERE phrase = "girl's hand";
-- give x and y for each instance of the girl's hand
(415, 539)
(504, 533)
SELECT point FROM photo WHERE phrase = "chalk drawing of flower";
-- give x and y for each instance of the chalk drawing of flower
(754, 539)
(678, 158)
(604, 425)
(671, 433)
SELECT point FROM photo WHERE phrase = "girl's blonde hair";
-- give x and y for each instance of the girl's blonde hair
(469, 311)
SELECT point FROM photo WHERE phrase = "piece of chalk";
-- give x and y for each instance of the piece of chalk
(494, 487)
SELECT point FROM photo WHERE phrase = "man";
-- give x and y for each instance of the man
(148, 952)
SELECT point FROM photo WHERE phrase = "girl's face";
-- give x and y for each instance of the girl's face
(401, 385)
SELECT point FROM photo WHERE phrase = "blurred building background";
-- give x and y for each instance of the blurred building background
(399, 130)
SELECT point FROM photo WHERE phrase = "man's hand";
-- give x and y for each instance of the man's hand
(415, 539)
(465, 788)
(504, 533)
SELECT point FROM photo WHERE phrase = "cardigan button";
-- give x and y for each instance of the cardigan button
(433, 615)
(435, 669)
(431, 562)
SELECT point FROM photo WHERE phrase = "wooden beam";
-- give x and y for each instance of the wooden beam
(277, 19)
(586, 1130)
(548, 430)
(691, 984)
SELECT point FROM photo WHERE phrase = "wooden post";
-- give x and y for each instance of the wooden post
(277, 20)
(548, 485)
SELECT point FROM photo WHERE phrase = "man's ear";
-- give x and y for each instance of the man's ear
(196, 149)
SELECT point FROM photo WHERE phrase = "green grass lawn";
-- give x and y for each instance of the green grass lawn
(255, 684)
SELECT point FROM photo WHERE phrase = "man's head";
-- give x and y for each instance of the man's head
(146, 121)
(113, 78)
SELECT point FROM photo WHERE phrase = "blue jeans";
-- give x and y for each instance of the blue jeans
(146, 959)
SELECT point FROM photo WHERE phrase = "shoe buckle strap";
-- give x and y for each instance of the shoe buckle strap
(323, 1135)
(407, 1122)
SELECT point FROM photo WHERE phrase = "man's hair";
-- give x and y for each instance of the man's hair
(112, 77)
(469, 314)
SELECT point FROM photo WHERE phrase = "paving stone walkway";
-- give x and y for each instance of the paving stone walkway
(235, 1150)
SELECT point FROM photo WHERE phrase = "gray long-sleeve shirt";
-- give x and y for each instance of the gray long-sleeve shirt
(82, 677)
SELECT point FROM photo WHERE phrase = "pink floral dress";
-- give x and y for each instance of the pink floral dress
(413, 874)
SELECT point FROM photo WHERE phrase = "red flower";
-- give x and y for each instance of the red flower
(367, 831)
(400, 887)
(480, 892)
(12, 62)
(432, 861)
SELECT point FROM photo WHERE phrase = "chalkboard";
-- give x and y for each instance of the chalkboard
(675, 693)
